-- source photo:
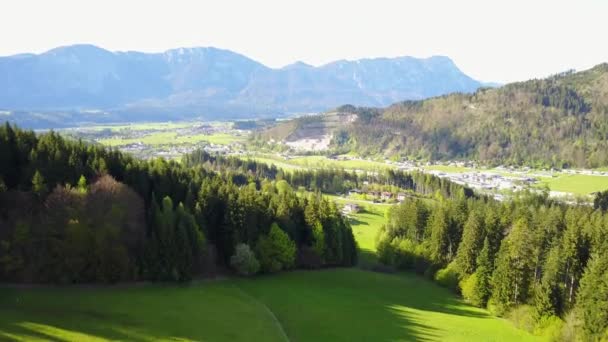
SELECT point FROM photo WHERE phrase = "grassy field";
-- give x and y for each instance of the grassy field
(313, 162)
(171, 138)
(280, 163)
(324, 162)
(326, 305)
(576, 184)
(209, 311)
(366, 225)
(448, 168)
(145, 126)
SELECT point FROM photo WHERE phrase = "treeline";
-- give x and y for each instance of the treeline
(72, 212)
(530, 255)
(326, 180)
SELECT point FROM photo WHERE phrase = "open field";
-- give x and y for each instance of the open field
(324, 162)
(448, 168)
(366, 225)
(210, 311)
(325, 305)
(171, 138)
(317, 162)
(576, 184)
(158, 126)
(143, 126)
(283, 164)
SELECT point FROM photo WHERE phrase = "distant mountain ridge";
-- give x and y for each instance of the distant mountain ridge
(211, 82)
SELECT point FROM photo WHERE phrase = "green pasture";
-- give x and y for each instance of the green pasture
(172, 138)
(323, 305)
(576, 184)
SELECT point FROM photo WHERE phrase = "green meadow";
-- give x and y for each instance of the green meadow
(324, 305)
(172, 138)
(324, 162)
(576, 184)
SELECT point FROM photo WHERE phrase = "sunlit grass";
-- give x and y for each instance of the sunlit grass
(576, 184)
(322, 305)
(449, 168)
(324, 162)
(172, 138)
(215, 311)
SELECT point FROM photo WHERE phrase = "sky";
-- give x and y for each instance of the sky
(490, 40)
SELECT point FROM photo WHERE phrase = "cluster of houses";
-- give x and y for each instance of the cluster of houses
(488, 180)
(379, 195)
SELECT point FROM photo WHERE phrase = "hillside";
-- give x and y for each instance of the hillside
(84, 83)
(558, 121)
(325, 305)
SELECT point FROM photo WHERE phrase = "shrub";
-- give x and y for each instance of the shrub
(385, 251)
(468, 288)
(572, 327)
(550, 328)
(522, 317)
(405, 257)
(276, 251)
(448, 277)
(423, 263)
(244, 261)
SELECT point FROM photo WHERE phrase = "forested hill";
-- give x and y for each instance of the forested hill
(558, 121)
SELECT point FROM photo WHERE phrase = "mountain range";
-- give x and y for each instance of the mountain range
(210, 82)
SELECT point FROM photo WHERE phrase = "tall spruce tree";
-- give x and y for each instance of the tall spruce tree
(472, 240)
(592, 300)
(483, 274)
(39, 184)
(511, 277)
(439, 237)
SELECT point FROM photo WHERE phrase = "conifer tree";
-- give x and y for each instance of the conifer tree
(439, 237)
(472, 239)
(483, 274)
(82, 185)
(38, 184)
(548, 298)
(511, 277)
(592, 299)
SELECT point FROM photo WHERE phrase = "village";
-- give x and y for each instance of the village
(166, 140)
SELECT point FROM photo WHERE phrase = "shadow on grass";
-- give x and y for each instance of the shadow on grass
(445, 301)
(368, 260)
(359, 305)
(63, 323)
(143, 313)
(356, 222)
(323, 305)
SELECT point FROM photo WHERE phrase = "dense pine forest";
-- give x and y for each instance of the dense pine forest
(72, 213)
(529, 257)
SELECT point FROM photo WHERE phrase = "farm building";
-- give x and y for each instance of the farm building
(350, 208)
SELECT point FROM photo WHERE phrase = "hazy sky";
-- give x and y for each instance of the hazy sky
(490, 40)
